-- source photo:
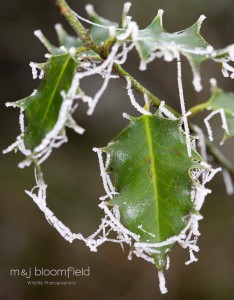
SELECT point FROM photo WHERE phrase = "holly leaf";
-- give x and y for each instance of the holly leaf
(67, 40)
(99, 33)
(223, 100)
(42, 108)
(187, 42)
(152, 176)
(155, 41)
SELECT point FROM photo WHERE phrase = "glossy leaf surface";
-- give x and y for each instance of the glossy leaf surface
(152, 176)
(42, 108)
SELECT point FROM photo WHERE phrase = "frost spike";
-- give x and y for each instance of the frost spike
(162, 282)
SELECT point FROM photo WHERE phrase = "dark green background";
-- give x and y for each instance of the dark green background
(72, 172)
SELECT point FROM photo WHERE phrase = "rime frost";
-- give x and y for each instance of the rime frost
(56, 137)
(133, 100)
(182, 104)
(110, 223)
(162, 282)
(224, 123)
(189, 235)
(165, 111)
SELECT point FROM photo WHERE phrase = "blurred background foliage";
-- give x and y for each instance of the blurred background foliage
(72, 172)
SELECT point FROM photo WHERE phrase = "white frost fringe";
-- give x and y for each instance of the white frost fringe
(109, 223)
(182, 104)
(166, 112)
(139, 108)
(168, 51)
(224, 123)
(162, 282)
(56, 137)
(189, 235)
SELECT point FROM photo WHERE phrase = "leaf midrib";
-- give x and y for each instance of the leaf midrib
(153, 169)
(55, 88)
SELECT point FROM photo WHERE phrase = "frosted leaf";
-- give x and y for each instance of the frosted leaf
(53, 138)
(187, 238)
(65, 109)
(111, 222)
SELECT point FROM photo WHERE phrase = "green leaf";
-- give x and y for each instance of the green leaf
(223, 100)
(187, 42)
(155, 38)
(152, 176)
(50, 47)
(99, 34)
(66, 39)
(42, 108)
